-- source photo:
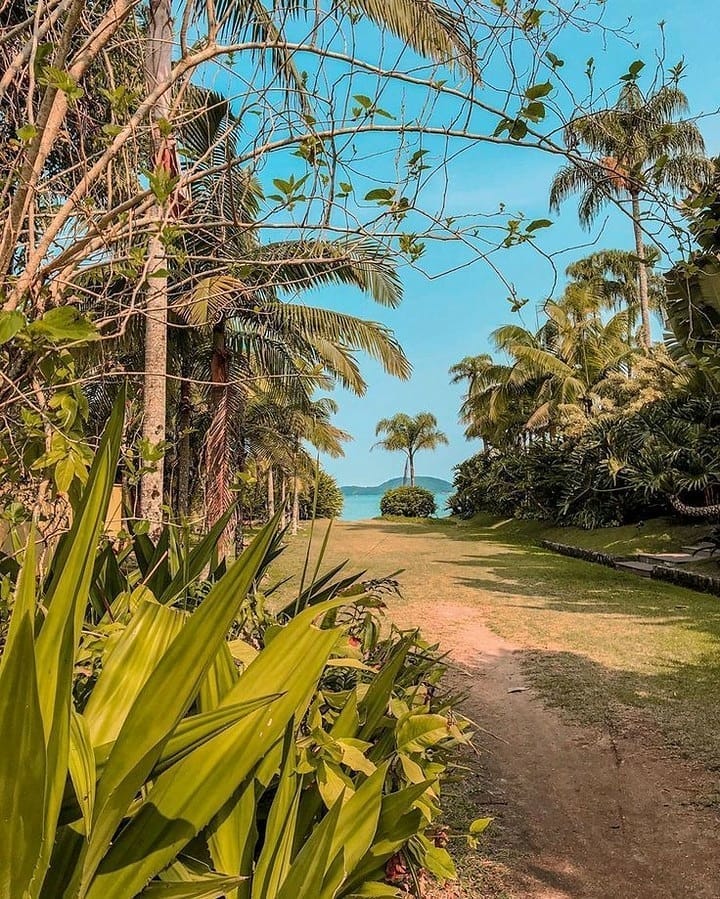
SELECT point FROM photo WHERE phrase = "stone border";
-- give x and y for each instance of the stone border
(670, 574)
(577, 552)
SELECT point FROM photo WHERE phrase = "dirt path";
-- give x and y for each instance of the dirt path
(581, 813)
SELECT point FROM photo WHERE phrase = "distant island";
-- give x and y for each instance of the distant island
(436, 485)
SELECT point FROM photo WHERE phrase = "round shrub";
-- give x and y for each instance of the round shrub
(409, 502)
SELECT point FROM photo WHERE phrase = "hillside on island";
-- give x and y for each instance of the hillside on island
(436, 485)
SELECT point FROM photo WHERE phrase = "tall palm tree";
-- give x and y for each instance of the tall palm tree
(431, 29)
(409, 434)
(634, 147)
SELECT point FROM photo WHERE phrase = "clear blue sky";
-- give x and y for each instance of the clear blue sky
(442, 320)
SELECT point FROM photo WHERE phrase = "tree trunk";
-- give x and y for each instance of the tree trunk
(270, 493)
(643, 294)
(296, 506)
(411, 459)
(217, 446)
(283, 501)
(184, 425)
(158, 64)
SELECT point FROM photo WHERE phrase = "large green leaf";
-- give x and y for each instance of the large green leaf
(67, 596)
(274, 861)
(22, 744)
(176, 678)
(82, 766)
(184, 799)
(128, 665)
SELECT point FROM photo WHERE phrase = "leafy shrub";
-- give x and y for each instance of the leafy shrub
(330, 498)
(145, 753)
(408, 502)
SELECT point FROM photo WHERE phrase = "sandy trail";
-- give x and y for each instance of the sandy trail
(584, 814)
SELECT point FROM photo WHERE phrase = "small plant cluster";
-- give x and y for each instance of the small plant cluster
(408, 502)
(165, 734)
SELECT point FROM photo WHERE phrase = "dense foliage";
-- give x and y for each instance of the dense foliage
(164, 734)
(408, 502)
(322, 499)
(662, 458)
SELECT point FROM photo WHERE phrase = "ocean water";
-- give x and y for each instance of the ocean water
(359, 508)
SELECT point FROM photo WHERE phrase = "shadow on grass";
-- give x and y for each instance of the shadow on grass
(683, 701)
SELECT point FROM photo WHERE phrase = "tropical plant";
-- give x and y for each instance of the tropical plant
(555, 376)
(636, 146)
(147, 754)
(409, 434)
(323, 498)
(408, 502)
(613, 275)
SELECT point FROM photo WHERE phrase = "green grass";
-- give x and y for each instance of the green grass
(611, 649)
(655, 535)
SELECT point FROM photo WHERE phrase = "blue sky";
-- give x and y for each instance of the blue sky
(441, 320)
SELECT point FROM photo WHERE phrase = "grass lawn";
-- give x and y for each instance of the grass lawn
(604, 645)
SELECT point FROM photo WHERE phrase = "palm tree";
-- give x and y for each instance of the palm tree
(409, 434)
(432, 30)
(569, 357)
(634, 147)
(495, 407)
(613, 275)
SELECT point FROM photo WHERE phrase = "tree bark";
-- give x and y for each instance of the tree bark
(184, 425)
(283, 501)
(643, 293)
(296, 505)
(158, 64)
(270, 493)
(411, 458)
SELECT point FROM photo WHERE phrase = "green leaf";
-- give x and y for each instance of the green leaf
(417, 732)
(82, 767)
(519, 130)
(10, 324)
(211, 887)
(22, 736)
(535, 111)
(633, 71)
(26, 133)
(364, 101)
(554, 60)
(380, 193)
(479, 825)
(537, 224)
(63, 324)
(538, 90)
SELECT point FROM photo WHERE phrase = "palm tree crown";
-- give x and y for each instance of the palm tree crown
(640, 144)
(409, 434)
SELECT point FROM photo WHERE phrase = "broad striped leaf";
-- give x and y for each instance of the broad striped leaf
(184, 799)
(22, 744)
(176, 678)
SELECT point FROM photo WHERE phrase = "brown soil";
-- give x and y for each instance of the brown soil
(580, 813)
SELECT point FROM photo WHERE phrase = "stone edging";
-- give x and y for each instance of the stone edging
(670, 574)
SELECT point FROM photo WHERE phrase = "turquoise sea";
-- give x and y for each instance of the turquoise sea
(358, 508)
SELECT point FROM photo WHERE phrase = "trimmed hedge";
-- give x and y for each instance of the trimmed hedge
(408, 502)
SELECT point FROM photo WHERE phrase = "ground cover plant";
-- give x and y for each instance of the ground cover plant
(165, 734)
